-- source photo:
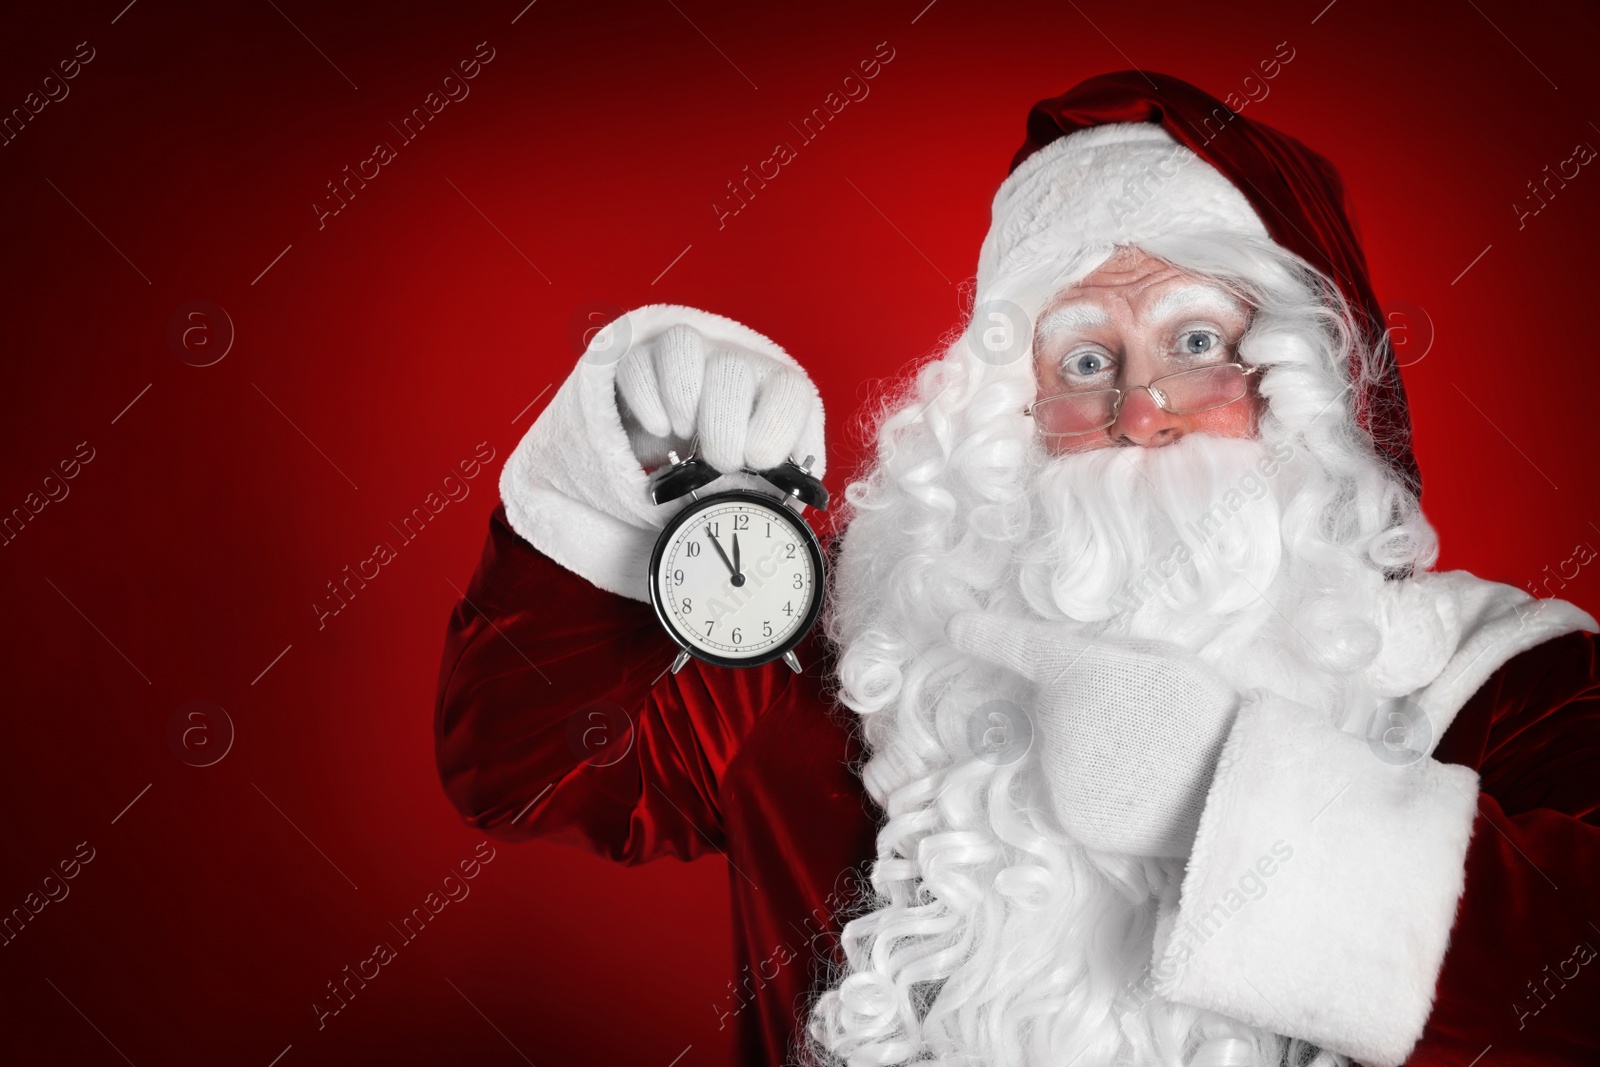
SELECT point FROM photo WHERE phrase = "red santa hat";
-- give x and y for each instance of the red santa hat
(1126, 156)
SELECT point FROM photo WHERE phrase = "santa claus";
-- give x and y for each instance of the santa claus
(1139, 730)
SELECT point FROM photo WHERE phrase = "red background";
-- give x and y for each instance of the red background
(410, 328)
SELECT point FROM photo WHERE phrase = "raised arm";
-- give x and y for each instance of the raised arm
(556, 717)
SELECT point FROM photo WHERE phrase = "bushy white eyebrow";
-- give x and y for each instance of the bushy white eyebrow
(1087, 316)
(1194, 298)
(1079, 316)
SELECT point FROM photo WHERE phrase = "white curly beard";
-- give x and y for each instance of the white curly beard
(1207, 543)
(1216, 544)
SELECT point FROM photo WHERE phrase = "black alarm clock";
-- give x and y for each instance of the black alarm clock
(736, 577)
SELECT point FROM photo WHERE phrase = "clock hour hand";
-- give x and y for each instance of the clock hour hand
(737, 570)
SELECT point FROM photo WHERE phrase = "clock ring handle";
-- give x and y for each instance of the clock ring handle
(685, 475)
(796, 480)
(681, 477)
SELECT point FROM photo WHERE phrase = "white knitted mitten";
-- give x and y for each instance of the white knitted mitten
(749, 409)
(1129, 731)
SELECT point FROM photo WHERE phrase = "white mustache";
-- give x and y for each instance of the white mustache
(1190, 528)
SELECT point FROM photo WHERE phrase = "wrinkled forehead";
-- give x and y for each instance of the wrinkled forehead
(1095, 306)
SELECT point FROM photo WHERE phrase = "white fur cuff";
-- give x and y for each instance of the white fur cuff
(573, 487)
(1319, 898)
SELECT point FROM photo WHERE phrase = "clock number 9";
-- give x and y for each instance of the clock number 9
(677, 576)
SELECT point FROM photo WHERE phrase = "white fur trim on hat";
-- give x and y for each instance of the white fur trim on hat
(1116, 184)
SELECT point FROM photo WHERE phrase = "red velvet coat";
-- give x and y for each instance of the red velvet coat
(756, 765)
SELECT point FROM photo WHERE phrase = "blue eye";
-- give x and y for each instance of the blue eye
(1085, 364)
(1199, 342)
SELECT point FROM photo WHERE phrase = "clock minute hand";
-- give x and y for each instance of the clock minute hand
(716, 545)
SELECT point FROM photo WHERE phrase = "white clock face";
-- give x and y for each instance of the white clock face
(737, 579)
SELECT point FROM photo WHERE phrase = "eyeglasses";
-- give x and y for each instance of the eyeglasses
(1183, 393)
